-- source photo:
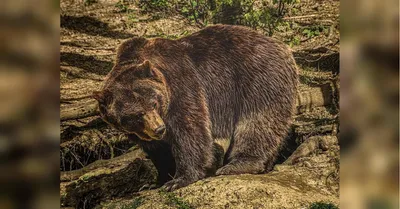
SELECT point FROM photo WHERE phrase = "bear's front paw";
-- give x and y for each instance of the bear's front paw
(241, 167)
(176, 184)
(226, 170)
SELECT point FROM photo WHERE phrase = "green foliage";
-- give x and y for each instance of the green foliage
(313, 31)
(294, 11)
(132, 18)
(305, 79)
(241, 12)
(281, 5)
(135, 204)
(295, 41)
(121, 6)
(89, 2)
(267, 18)
(321, 205)
(173, 200)
(184, 33)
(155, 5)
(85, 178)
(264, 15)
(197, 11)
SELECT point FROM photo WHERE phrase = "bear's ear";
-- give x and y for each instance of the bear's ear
(146, 64)
(146, 69)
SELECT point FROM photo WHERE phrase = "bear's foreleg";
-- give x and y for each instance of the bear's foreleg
(162, 158)
(160, 154)
(192, 147)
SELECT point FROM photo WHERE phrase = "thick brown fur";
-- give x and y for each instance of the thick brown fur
(221, 82)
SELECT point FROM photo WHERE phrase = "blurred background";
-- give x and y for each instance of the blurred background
(369, 104)
(30, 103)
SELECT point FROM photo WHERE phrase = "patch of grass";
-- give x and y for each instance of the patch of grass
(155, 5)
(89, 2)
(135, 204)
(173, 200)
(322, 205)
(314, 31)
(122, 7)
(306, 79)
(161, 34)
(132, 18)
(294, 41)
(85, 178)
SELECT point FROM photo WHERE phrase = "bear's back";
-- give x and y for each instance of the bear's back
(240, 71)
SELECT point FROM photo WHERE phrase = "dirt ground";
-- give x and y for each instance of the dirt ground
(90, 33)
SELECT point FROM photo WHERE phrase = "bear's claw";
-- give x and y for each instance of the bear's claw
(147, 187)
(176, 184)
(226, 170)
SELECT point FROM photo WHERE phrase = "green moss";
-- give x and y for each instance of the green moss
(173, 200)
(85, 178)
(322, 205)
(90, 2)
(134, 204)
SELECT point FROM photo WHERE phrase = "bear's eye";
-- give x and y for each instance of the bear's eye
(140, 115)
(110, 119)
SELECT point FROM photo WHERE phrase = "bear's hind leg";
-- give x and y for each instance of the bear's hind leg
(256, 143)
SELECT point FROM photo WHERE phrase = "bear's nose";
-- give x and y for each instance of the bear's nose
(160, 130)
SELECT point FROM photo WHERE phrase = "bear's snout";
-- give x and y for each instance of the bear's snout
(154, 126)
(160, 130)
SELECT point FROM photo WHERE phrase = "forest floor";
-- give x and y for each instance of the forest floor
(90, 33)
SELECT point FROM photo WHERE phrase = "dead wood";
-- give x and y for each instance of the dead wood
(105, 179)
(82, 146)
(314, 97)
(81, 111)
(70, 99)
(311, 145)
(318, 127)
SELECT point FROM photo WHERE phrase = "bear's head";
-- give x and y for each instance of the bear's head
(135, 101)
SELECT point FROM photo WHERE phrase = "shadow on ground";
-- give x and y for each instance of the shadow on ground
(288, 148)
(91, 26)
(88, 63)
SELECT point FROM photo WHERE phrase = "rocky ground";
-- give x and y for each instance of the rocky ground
(97, 163)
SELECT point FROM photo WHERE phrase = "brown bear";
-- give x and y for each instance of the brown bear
(176, 97)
